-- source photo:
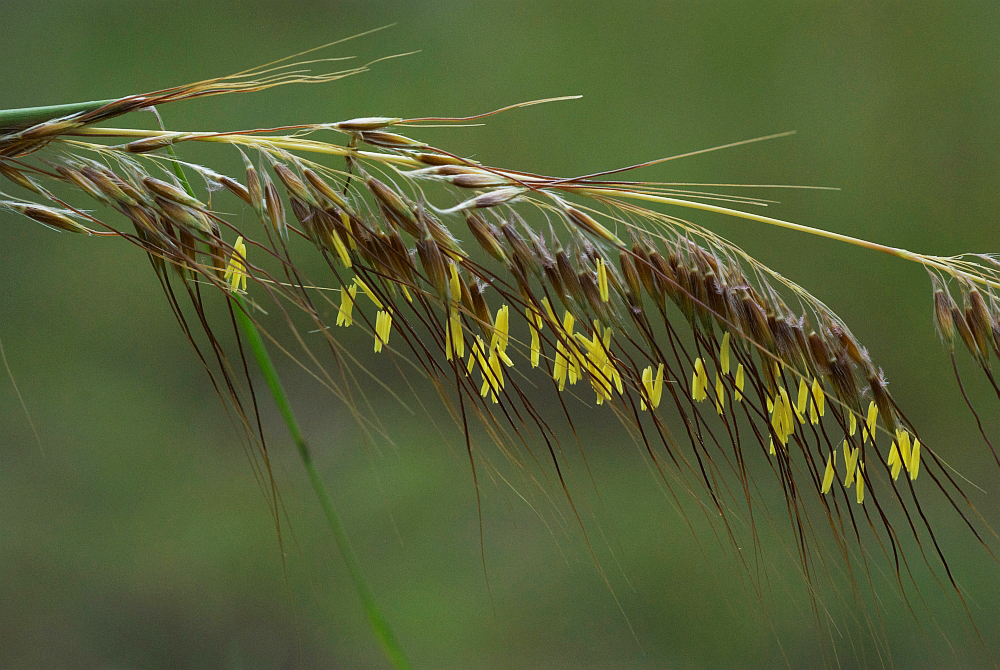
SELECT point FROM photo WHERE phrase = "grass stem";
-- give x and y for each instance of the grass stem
(27, 116)
(379, 624)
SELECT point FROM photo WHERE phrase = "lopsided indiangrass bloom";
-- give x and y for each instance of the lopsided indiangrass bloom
(495, 272)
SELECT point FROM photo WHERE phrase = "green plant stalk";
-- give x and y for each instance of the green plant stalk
(378, 622)
(27, 116)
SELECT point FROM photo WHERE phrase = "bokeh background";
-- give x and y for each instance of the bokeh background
(132, 532)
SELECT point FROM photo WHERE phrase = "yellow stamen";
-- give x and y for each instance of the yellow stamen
(563, 368)
(383, 325)
(549, 311)
(338, 245)
(781, 416)
(800, 405)
(740, 379)
(647, 385)
(534, 325)
(724, 354)
(657, 386)
(602, 280)
(870, 421)
(454, 284)
(454, 337)
(364, 287)
(501, 335)
(894, 461)
(236, 270)
(854, 424)
(345, 317)
(861, 484)
(915, 460)
(346, 220)
(819, 399)
(830, 472)
(903, 438)
(653, 386)
(477, 347)
(699, 381)
(851, 462)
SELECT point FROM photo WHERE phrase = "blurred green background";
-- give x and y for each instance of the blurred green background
(134, 534)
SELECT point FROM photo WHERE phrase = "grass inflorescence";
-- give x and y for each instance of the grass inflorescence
(491, 282)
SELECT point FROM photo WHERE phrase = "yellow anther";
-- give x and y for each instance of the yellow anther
(647, 385)
(477, 348)
(549, 311)
(454, 337)
(915, 460)
(861, 483)
(803, 398)
(496, 374)
(851, 463)
(854, 424)
(501, 335)
(338, 245)
(724, 354)
(799, 408)
(534, 325)
(454, 284)
(598, 363)
(830, 472)
(568, 322)
(894, 461)
(819, 399)
(903, 439)
(345, 317)
(870, 421)
(364, 287)
(236, 270)
(346, 221)
(653, 386)
(787, 403)
(383, 325)
(602, 280)
(740, 380)
(699, 381)
(782, 419)
(564, 368)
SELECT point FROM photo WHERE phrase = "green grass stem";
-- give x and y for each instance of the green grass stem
(379, 624)
(28, 116)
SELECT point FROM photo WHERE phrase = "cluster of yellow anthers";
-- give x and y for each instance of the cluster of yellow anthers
(489, 359)
(578, 355)
(383, 320)
(236, 270)
(699, 384)
(902, 454)
(785, 416)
